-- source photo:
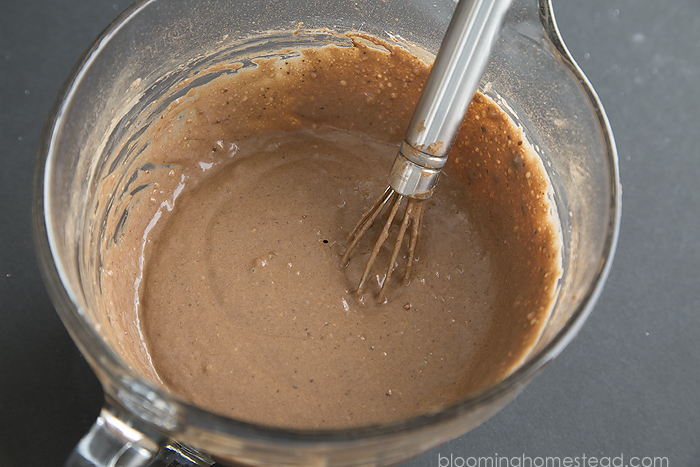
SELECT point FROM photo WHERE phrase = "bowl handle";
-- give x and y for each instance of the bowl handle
(114, 441)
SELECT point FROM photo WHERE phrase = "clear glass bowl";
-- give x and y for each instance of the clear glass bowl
(123, 82)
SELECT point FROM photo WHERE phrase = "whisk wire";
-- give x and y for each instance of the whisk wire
(373, 211)
(413, 215)
(397, 246)
(415, 209)
(380, 241)
(366, 222)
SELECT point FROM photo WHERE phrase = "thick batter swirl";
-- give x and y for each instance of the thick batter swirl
(242, 303)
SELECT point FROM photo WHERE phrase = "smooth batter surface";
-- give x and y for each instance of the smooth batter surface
(257, 178)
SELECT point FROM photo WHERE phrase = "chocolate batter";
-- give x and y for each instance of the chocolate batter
(235, 236)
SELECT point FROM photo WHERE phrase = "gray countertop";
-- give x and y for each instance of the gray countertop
(628, 385)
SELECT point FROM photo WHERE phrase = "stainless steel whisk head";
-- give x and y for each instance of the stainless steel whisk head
(413, 217)
(443, 103)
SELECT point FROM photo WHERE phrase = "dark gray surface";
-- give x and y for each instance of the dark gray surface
(628, 385)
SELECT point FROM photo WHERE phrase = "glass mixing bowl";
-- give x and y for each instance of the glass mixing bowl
(126, 79)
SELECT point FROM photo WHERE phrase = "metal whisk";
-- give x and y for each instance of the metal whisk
(443, 103)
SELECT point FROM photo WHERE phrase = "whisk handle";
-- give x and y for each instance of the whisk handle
(447, 93)
(450, 88)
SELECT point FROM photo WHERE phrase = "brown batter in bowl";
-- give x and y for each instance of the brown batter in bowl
(222, 279)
